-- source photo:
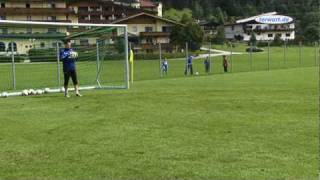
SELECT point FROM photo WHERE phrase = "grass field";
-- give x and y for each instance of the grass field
(254, 125)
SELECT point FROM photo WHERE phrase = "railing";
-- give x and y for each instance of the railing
(35, 11)
(156, 34)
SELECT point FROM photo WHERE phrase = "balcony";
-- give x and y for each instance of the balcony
(154, 46)
(269, 29)
(94, 21)
(35, 11)
(154, 34)
(33, 35)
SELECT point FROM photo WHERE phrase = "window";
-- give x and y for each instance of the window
(14, 45)
(29, 30)
(52, 5)
(270, 35)
(3, 5)
(134, 29)
(148, 29)
(52, 30)
(84, 42)
(288, 34)
(2, 47)
(149, 51)
(28, 5)
(232, 27)
(3, 30)
(3, 18)
(166, 29)
(42, 45)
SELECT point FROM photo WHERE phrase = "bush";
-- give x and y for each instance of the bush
(43, 55)
(8, 59)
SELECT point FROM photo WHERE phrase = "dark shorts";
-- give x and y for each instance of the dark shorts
(73, 75)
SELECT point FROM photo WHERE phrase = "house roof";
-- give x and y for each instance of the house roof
(241, 21)
(145, 14)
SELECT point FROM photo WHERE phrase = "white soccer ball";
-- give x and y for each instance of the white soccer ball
(39, 92)
(74, 54)
(46, 90)
(31, 92)
(25, 92)
(197, 73)
(4, 94)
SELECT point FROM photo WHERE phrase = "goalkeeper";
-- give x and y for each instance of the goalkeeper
(68, 56)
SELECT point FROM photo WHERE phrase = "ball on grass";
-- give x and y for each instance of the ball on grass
(4, 94)
(25, 93)
(31, 92)
(46, 90)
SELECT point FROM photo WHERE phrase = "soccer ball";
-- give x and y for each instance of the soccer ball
(5, 94)
(31, 92)
(197, 73)
(39, 92)
(25, 92)
(74, 54)
(46, 90)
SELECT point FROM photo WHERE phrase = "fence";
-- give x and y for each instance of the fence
(241, 58)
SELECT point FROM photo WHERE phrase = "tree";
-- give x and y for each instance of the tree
(190, 33)
(219, 38)
(177, 15)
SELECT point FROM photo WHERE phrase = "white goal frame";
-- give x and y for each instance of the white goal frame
(57, 24)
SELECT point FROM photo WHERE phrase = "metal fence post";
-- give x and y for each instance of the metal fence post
(300, 53)
(160, 59)
(285, 53)
(13, 66)
(231, 59)
(316, 53)
(250, 55)
(187, 55)
(210, 62)
(58, 64)
(268, 55)
(98, 63)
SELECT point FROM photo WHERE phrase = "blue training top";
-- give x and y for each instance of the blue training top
(68, 62)
(190, 60)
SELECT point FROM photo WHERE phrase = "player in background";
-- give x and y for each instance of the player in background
(189, 67)
(165, 66)
(225, 63)
(207, 65)
(69, 68)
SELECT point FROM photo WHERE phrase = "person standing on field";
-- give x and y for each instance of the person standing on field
(189, 67)
(207, 65)
(165, 66)
(225, 63)
(69, 68)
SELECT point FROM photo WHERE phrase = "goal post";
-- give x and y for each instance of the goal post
(30, 55)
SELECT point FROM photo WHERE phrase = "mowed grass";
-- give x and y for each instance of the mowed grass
(257, 125)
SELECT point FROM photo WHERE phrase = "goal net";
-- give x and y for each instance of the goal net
(30, 56)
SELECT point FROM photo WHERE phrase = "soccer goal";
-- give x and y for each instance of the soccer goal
(30, 56)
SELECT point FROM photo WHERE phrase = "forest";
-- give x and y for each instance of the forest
(305, 12)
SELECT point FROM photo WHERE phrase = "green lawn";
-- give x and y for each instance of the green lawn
(256, 125)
